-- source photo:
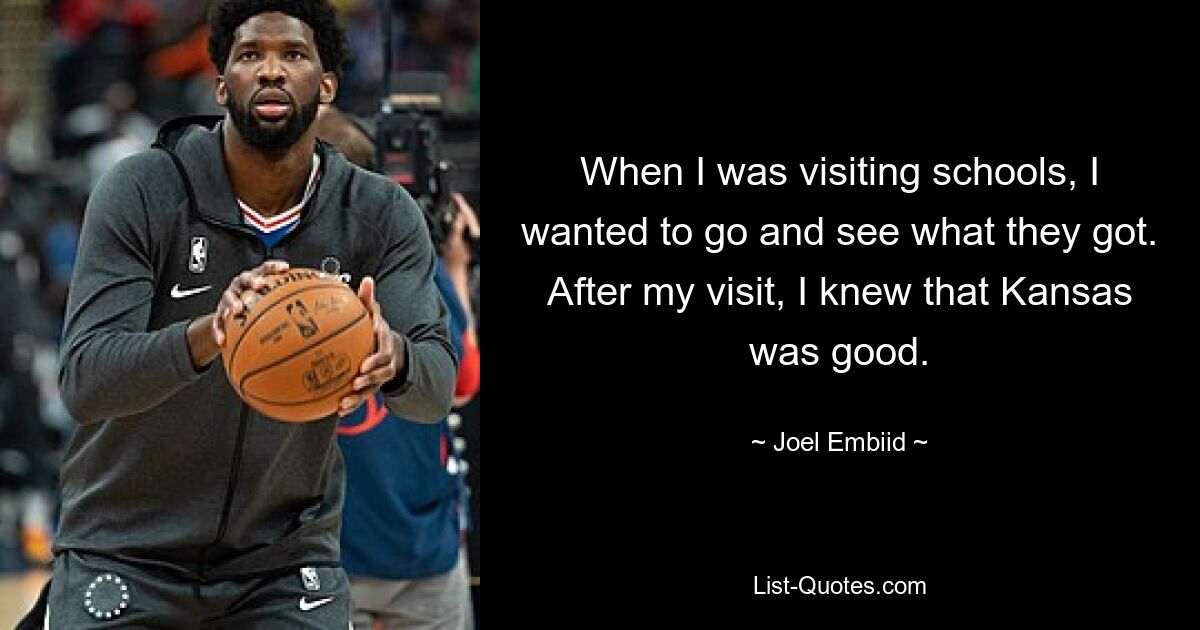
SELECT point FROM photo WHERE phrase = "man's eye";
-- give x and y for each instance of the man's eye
(296, 54)
(249, 55)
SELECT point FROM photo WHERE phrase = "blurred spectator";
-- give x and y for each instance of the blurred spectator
(24, 144)
(443, 37)
(96, 43)
(10, 107)
(360, 88)
(112, 129)
(427, 36)
(26, 475)
(473, 70)
(179, 73)
(59, 243)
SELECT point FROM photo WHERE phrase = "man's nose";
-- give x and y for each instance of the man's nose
(271, 70)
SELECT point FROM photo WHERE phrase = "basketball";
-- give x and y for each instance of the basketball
(294, 352)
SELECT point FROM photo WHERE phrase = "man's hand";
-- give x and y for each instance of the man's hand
(233, 300)
(385, 364)
(206, 335)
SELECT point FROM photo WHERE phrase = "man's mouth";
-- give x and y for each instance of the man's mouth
(272, 105)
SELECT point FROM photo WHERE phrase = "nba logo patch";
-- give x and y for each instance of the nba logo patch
(199, 256)
(309, 576)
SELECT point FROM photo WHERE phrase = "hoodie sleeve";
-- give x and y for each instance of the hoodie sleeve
(413, 307)
(111, 364)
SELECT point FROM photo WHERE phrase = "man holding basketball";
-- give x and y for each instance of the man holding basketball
(183, 507)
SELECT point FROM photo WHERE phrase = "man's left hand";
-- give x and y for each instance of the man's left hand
(385, 364)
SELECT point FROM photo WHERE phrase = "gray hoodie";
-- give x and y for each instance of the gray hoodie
(169, 467)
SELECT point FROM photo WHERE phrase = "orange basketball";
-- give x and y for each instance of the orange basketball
(294, 353)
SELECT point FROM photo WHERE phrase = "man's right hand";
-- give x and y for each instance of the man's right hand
(232, 300)
(206, 335)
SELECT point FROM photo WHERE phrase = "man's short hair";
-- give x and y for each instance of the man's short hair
(319, 15)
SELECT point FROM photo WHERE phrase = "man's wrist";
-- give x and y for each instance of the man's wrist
(202, 346)
(400, 350)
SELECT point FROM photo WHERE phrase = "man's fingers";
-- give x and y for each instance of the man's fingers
(382, 355)
(350, 403)
(383, 333)
(383, 345)
(370, 382)
(243, 280)
(232, 303)
(235, 298)
(257, 278)
(366, 293)
(376, 362)
(345, 408)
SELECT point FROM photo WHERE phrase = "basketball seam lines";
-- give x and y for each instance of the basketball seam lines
(333, 335)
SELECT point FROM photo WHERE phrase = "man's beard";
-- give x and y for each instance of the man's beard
(277, 139)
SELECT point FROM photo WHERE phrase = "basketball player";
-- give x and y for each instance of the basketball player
(182, 507)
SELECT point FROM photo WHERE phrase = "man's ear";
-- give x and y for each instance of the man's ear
(221, 90)
(329, 86)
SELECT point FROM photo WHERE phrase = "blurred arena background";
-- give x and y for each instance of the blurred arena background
(84, 83)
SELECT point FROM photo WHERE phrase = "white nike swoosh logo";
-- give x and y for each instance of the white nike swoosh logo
(179, 294)
(306, 605)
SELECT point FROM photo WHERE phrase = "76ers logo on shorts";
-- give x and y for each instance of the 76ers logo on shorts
(106, 597)
(198, 259)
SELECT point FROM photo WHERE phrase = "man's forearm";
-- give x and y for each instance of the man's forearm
(423, 389)
(117, 374)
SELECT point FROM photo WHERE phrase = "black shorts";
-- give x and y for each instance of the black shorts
(88, 591)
